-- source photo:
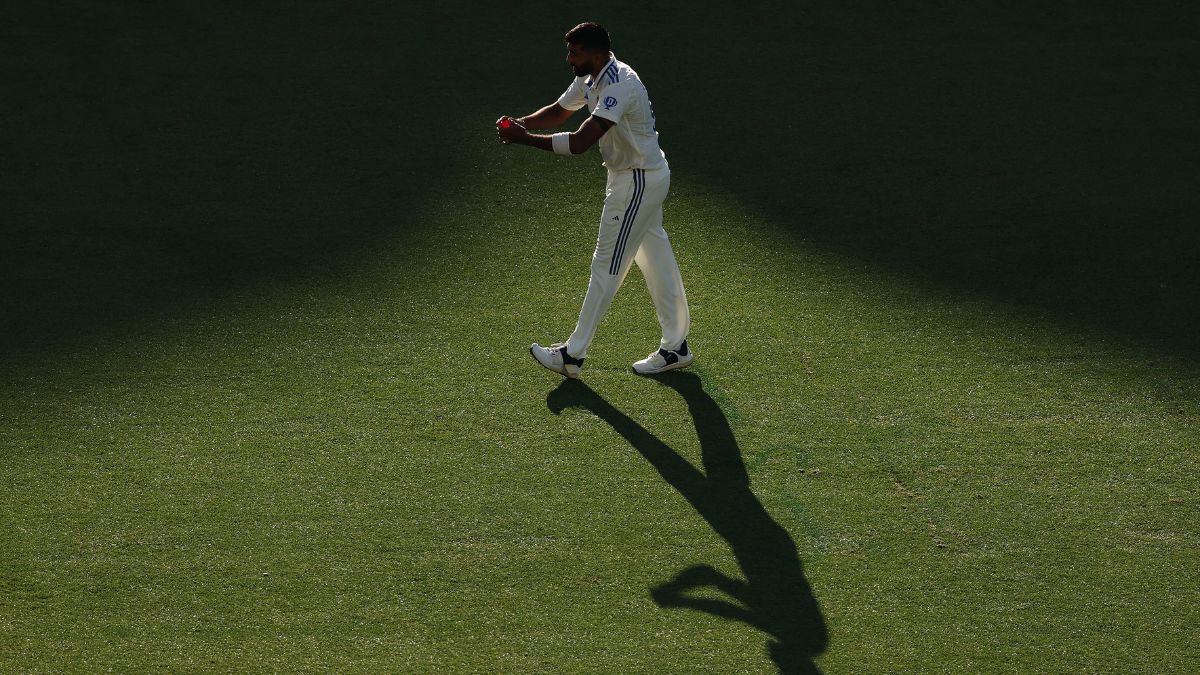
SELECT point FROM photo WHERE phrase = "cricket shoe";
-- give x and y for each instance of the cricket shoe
(665, 359)
(556, 358)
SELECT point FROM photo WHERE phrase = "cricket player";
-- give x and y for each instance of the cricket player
(631, 230)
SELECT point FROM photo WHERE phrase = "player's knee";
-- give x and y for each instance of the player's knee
(601, 262)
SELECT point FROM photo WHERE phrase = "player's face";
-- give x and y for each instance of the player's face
(582, 62)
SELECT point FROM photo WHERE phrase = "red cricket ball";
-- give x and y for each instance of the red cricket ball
(505, 123)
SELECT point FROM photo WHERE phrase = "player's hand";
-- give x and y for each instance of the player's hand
(509, 129)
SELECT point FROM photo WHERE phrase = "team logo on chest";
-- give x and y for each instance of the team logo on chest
(609, 102)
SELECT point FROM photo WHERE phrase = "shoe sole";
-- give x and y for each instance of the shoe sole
(670, 366)
(564, 372)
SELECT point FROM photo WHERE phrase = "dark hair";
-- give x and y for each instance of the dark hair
(591, 36)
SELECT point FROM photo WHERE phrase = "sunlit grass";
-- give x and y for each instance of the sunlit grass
(359, 469)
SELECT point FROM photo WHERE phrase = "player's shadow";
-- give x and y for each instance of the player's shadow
(774, 597)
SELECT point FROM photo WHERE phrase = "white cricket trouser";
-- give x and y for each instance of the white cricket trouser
(631, 230)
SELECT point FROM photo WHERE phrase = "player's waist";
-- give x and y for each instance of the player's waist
(648, 169)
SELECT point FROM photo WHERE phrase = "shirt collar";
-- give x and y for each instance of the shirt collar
(612, 58)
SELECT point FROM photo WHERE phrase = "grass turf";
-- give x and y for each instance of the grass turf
(266, 402)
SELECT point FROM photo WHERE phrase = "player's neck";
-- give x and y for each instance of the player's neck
(596, 71)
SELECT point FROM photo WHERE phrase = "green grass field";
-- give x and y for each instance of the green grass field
(265, 400)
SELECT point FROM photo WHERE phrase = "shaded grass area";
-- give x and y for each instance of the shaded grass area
(302, 470)
(1040, 155)
(168, 153)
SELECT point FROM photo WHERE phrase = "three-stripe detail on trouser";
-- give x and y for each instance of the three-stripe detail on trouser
(639, 187)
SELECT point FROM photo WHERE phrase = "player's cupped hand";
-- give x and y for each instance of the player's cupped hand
(509, 129)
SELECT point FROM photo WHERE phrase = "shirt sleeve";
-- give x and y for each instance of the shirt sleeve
(614, 101)
(572, 99)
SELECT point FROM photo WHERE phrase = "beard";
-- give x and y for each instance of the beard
(580, 71)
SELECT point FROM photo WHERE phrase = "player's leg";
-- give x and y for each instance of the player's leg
(657, 262)
(620, 202)
(646, 216)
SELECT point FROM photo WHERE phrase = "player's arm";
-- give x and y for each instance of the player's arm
(553, 115)
(578, 141)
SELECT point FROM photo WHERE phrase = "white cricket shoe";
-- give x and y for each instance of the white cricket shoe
(663, 360)
(556, 358)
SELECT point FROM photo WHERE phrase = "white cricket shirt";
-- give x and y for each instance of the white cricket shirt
(618, 95)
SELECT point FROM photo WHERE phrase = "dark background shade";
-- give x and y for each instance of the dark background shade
(1047, 155)
(160, 153)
